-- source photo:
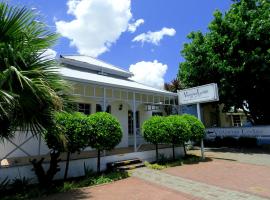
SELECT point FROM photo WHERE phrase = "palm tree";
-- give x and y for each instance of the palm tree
(30, 86)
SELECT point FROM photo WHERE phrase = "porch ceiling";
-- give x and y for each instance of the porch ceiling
(86, 77)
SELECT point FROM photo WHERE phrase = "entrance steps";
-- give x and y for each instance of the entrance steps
(125, 165)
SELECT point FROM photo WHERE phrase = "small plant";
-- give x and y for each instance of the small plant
(88, 172)
(4, 185)
(154, 166)
(21, 184)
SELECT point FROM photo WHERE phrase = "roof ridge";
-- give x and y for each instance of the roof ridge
(99, 61)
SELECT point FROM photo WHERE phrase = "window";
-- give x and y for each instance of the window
(108, 109)
(157, 114)
(130, 121)
(84, 108)
(236, 119)
(98, 108)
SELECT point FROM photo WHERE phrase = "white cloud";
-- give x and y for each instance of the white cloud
(154, 37)
(97, 24)
(49, 54)
(149, 73)
(133, 27)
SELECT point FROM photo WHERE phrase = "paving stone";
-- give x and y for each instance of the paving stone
(194, 188)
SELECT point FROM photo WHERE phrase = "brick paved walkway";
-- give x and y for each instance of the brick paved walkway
(128, 189)
(246, 178)
(194, 188)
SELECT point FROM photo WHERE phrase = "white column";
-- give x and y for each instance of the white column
(134, 123)
(200, 118)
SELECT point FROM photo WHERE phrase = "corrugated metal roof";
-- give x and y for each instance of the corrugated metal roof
(91, 63)
(83, 76)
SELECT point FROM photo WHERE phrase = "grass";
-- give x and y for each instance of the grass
(34, 191)
(165, 163)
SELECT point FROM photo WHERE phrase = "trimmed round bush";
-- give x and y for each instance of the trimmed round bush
(178, 130)
(105, 131)
(155, 131)
(196, 127)
(69, 134)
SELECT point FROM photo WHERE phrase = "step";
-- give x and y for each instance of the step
(130, 166)
(123, 163)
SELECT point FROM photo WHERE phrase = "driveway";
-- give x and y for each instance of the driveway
(222, 178)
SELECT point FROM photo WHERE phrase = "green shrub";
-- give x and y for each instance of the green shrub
(178, 130)
(155, 131)
(105, 132)
(196, 127)
(69, 134)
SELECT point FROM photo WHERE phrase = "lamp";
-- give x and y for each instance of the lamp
(120, 106)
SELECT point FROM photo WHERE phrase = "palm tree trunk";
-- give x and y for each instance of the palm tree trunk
(67, 165)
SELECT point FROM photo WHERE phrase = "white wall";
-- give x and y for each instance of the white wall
(122, 116)
(76, 167)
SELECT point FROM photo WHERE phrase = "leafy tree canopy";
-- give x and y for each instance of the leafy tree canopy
(196, 127)
(178, 129)
(70, 132)
(105, 130)
(155, 130)
(235, 53)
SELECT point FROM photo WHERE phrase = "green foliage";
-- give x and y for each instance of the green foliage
(197, 129)
(30, 87)
(178, 129)
(235, 53)
(189, 159)
(155, 130)
(155, 166)
(88, 172)
(105, 131)
(70, 132)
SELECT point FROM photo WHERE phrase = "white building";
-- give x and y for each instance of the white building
(97, 86)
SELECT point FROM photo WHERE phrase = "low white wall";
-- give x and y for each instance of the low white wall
(76, 167)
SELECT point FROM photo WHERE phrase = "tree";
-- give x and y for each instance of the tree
(155, 131)
(174, 85)
(30, 87)
(235, 53)
(178, 131)
(196, 127)
(105, 133)
(196, 130)
(69, 134)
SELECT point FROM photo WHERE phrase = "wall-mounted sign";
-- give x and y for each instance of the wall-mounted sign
(200, 94)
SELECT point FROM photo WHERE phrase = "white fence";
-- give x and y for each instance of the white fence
(254, 131)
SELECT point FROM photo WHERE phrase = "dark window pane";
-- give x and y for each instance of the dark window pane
(98, 108)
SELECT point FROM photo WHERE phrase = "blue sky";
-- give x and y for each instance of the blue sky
(182, 16)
